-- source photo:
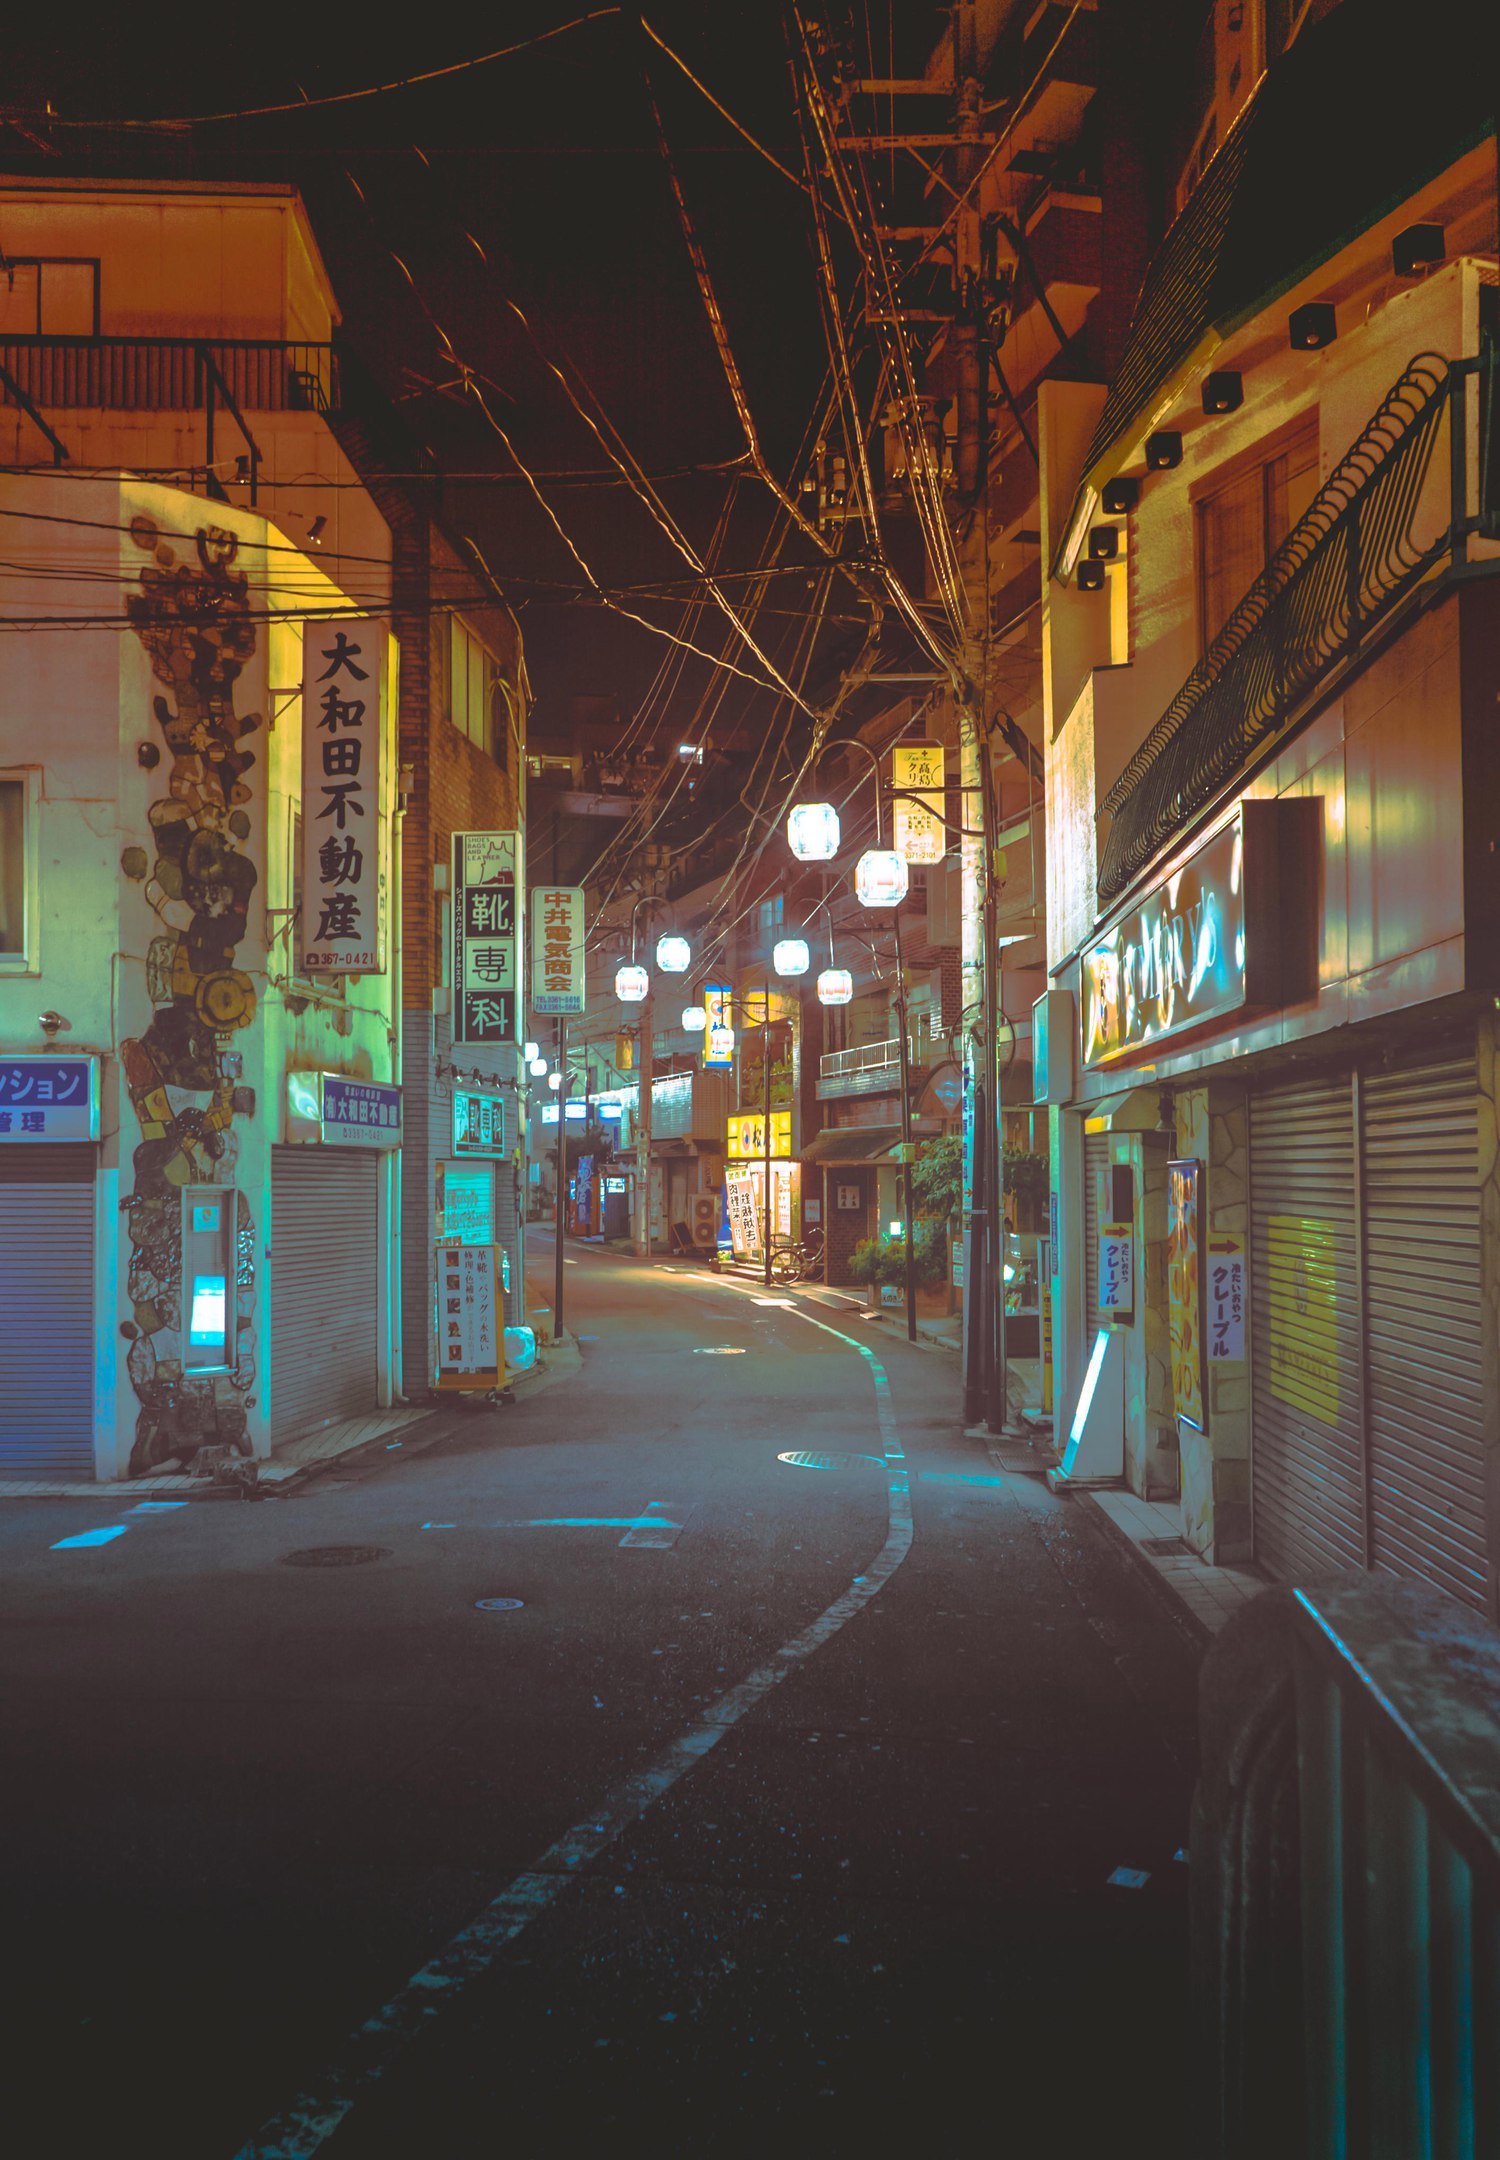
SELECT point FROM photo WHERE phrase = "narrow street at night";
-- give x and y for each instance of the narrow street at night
(866, 1903)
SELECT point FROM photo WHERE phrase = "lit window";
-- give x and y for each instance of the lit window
(478, 696)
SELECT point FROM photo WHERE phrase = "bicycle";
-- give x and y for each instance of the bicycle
(797, 1259)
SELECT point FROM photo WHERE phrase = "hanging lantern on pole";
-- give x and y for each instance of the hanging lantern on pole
(790, 956)
(835, 986)
(674, 955)
(812, 831)
(632, 983)
(880, 878)
(694, 1019)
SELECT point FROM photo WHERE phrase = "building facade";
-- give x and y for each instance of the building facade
(1270, 798)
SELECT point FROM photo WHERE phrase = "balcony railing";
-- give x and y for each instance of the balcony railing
(868, 1069)
(1373, 533)
(118, 374)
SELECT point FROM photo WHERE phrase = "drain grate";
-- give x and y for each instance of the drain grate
(800, 1460)
(1165, 1548)
(335, 1555)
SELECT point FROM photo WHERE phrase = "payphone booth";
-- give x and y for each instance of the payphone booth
(208, 1314)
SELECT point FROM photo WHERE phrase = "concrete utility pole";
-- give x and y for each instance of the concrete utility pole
(765, 1137)
(562, 1177)
(907, 1225)
(647, 1065)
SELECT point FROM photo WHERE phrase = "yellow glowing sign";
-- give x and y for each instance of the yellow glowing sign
(1302, 1279)
(917, 827)
(746, 1137)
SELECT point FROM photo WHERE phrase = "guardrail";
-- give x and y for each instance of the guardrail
(1345, 1856)
(1371, 535)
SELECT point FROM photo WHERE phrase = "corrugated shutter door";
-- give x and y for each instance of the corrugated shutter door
(1095, 1163)
(1424, 1326)
(47, 1311)
(324, 1286)
(1307, 1482)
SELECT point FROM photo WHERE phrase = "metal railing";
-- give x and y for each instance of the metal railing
(1370, 536)
(1345, 1857)
(120, 374)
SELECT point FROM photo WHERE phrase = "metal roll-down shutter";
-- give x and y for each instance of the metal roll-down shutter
(325, 1278)
(1423, 1320)
(1307, 1469)
(47, 1311)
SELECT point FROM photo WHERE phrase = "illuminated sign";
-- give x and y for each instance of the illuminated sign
(327, 1108)
(342, 918)
(746, 1137)
(557, 949)
(1206, 942)
(718, 1040)
(486, 884)
(917, 827)
(49, 1098)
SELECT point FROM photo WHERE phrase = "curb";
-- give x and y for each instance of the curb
(1142, 1565)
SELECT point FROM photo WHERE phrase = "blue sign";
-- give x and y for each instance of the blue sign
(361, 1113)
(49, 1098)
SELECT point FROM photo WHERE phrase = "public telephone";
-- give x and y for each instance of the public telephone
(208, 1220)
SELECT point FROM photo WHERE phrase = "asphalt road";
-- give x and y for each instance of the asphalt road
(780, 1812)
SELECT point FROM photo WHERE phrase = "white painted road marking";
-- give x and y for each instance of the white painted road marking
(568, 1522)
(651, 1531)
(306, 2125)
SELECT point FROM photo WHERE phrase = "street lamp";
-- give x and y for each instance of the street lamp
(554, 1080)
(835, 986)
(538, 1064)
(674, 955)
(694, 1019)
(632, 984)
(812, 832)
(531, 1052)
(790, 956)
(881, 879)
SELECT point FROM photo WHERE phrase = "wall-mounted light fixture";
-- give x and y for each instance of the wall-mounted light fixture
(1312, 326)
(1120, 497)
(1223, 391)
(1418, 248)
(1104, 543)
(1164, 450)
(1090, 576)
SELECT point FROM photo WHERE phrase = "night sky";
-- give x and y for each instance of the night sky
(549, 159)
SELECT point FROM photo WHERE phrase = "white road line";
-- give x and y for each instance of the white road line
(305, 2126)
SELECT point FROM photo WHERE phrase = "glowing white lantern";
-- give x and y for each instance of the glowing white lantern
(532, 1052)
(538, 1067)
(694, 1019)
(835, 986)
(674, 955)
(632, 983)
(790, 956)
(554, 1080)
(812, 831)
(880, 878)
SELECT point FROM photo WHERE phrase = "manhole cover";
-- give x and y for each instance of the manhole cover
(799, 1460)
(499, 1604)
(335, 1555)
(1163, 1548)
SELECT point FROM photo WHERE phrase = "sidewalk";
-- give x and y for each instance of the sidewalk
(304, 1456)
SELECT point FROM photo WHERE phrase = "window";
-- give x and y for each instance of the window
(772, 914)
(17, 872)
(479, 702)
(1243, 516)
(51, 299)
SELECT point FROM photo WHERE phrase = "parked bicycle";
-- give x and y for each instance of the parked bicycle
(798, 1259)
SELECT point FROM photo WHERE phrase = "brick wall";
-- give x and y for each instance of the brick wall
(843, 1231)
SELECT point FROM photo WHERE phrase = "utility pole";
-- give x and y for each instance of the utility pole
(643, 1131)
(765, 1137)
(906, 1221)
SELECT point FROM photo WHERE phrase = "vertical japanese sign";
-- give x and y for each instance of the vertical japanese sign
(1224, 1331)
(1116, 1270)
(1185, 1290)
(557, 949)
(486, 903)
(743, 1201)
(917, 831)
(718, 1036)
(342, 927)
(471, 1340)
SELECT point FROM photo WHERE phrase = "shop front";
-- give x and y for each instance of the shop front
(746, 1168)
(330, 1252)
(1274, 1218)
(49, 1196)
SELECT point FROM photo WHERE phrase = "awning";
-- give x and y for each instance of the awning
(1138, 1109)
(844, 1145)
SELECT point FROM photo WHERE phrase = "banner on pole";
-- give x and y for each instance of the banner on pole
(918, 833)
(557, 974)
